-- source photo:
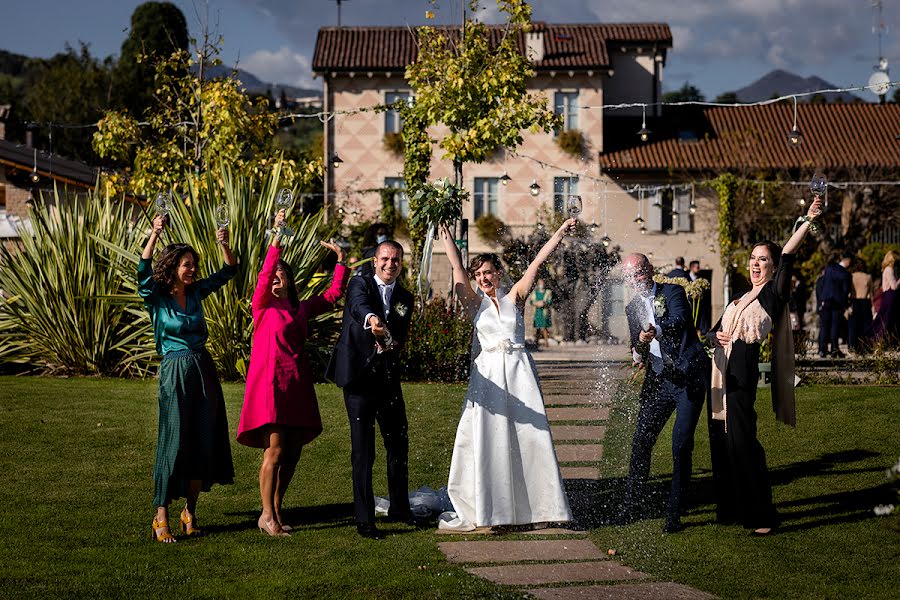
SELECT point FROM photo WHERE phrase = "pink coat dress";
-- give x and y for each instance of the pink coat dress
(279, 381)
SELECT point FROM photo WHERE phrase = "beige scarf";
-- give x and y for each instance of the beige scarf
(748, 321)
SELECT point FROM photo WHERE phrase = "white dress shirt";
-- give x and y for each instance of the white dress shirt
(385, 290)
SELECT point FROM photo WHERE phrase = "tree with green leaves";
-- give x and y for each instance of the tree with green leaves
(157, 30)
(195, 124)
(477, 88)
(727, 98)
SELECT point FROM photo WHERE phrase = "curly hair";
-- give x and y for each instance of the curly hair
(480, 259)
(166, 267)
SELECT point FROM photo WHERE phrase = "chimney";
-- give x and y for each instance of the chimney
(534, 46)
(4, 115)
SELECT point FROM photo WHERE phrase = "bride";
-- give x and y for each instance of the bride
(504, 469)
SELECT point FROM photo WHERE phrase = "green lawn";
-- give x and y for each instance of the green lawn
(76, 457)
(827, 474)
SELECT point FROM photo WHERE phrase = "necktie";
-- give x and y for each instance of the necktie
(385, 297)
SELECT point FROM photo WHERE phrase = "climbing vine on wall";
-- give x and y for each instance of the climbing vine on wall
(725, 186)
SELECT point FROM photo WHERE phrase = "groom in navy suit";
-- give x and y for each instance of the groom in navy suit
(364, 363)
(664, 344)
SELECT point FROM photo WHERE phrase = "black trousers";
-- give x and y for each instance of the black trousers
(859, 325)
(377, 397)
(660, 397)
(743, 488)
(829, 327)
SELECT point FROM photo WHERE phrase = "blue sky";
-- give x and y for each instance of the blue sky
(720, 45)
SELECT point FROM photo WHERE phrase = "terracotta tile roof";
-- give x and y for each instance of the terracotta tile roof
(834, 136)
(584, 46)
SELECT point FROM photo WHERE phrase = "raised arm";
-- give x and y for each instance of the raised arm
(262, 295)
(523, 287)
(322, 303)
(159, 223)
(461, 285)
(815, 209)
(227, 257)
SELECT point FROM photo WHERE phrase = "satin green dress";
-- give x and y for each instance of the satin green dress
(193, 442)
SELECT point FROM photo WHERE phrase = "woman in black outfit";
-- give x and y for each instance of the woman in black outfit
(744, 492)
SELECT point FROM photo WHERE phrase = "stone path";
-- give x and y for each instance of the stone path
(562, 564)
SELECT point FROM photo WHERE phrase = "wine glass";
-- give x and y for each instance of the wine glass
(573, 206)
(163, 203)
(284, 201)
(818, 187)
(222, 216)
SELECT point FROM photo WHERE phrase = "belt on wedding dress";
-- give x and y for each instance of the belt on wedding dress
(506, 346)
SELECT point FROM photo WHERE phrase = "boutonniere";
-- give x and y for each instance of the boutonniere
(401, 309)
(659, 306)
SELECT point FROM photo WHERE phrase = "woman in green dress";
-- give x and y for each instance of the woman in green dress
(541, 298)
(192, 449)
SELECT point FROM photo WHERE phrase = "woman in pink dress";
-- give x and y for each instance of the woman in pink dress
(280, 412)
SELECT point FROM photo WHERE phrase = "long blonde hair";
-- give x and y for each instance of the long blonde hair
(890, 259)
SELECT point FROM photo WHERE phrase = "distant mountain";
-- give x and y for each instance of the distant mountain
(254, 85)
(782, 83)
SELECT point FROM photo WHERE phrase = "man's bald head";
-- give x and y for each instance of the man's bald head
(638, 272)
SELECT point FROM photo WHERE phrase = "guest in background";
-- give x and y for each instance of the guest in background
(192, 448)
(859, 325)
(280, 412)
(887, 321)
(541, 299)
(374, 235)
(833, 299)
(679, 270)
(704, 313)
(798, 300)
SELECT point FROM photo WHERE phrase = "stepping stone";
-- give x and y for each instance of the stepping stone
(663, 590)
(578, 432)
(578, 414)
(580, 472)
(578, 572)
(555, 531)
(578, 452)
(476, 531)
(569, 400)
(515, 551)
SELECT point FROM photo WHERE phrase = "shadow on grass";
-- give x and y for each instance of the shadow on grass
(324, 516)
(598, 503)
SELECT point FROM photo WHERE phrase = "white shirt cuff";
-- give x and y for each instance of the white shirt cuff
(366, 321)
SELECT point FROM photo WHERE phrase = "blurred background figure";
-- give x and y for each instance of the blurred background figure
(833, 299)
(887, 321)
(374, 235)
(679, 270)
(859, 323)
(541, 298)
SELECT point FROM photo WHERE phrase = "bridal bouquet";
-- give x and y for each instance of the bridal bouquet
(438, 203)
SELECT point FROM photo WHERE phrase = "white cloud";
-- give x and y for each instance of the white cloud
(280, 66)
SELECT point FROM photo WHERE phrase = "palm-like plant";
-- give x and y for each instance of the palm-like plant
(72, 302)
(57, 313)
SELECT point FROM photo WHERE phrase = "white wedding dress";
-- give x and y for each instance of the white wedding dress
(504, 469)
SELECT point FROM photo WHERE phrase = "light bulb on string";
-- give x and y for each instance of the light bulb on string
(802, 202)
(605, 240)
(535, 188)
(692, 208)
(504, 179)
(643, 230)
(336, 161)
(762, 193)
(795, 137)
(644, 133)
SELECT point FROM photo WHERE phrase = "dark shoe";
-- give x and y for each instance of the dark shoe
(822, 355)
(838, 354)
(369, 532)
(411, 520)
(673, 526)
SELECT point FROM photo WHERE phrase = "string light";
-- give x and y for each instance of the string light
(762, 193)
(795, 137)
(336, 161)
(34, 177)
(535, 188)
(504, 179)
(644, 133)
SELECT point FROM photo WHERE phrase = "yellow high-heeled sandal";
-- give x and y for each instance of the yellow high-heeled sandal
(188, 524)
(164, 537)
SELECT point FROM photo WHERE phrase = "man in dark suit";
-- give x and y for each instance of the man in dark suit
(676, 366)
(679, 270)
(364, 363)
(833, 298)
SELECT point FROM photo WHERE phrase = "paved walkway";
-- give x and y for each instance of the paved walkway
(563, 564)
